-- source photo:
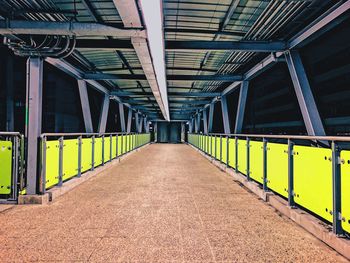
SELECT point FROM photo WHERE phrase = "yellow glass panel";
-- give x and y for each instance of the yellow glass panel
(256, 161)
(107, 148)
(217, 149)
(70, 158)
(224, 150)
(114, 146)
(98, 152)
(86, 154)
(5, 167)
(52, 163)
(277, 168)
(242, 156)
(313, 180)
(232, 152)
(345, 189)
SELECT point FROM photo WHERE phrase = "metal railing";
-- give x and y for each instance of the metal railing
(11, 166)
(67, 155)
(311, 172)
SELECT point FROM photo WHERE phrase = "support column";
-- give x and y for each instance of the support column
(10, 105)
(205, 121)
(128, 130)
(242, 101)
(225, 118)
(104, 115)
(85, 106)
(190, 126)
(145, 123)
(122, 117)
(211, 116)
(137, 122)
(33, 120)
(307, 104)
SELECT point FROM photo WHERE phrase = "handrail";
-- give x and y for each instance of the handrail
(287, 137)
(87, 134)
(10, 133)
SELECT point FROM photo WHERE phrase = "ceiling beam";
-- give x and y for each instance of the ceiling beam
(224, 78)
(26, 27)
(126, 45)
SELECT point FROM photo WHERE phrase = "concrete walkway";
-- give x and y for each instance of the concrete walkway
(164, 203)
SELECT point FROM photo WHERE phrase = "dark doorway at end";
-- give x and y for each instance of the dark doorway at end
(170, 132)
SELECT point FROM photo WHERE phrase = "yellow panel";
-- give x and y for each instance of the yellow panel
(256, 163)
(242, 156)
(119, 145)
(98, 152)
(70, 158)
(224, 150)
(5, 167)
(277, 168)
(232, 152)
(212, 146)
(345, 189)
(114, 146)
(52, 159)
(217, 149)
(107, 149)
(86, 154)
(313, 180)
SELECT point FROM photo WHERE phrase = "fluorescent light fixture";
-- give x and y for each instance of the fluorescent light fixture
(153, 18)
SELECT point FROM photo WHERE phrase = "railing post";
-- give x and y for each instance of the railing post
(248, 158)
(215, 147)
(220, 148)
(116, 146)
(93, 152)
(15, 156)
(265, 181)
(227, 150)
(103, 150)
(60, 162)
(336, 183)
(236, 154)
(43, 165)
(291, 202)
(79, 155)
(110, 147)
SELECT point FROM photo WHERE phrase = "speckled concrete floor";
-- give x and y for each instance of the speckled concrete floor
(166, 203)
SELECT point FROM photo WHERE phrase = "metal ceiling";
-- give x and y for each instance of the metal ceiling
(188, 70)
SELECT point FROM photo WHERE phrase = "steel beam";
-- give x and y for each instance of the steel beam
(27, 27)
(10, 105)
(243, 92)
(33, 122)
(205, 121)
(128, 129)
(122, 117)
(225, 117)
(103, 76)
(245, 46)
(103, 115)
(140, 124)
(172, 94)
(307, 104)
(211, 117)
(137, 122)
(85, 106)
(190, 126)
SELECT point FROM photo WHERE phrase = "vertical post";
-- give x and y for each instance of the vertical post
(220, 148)
(205, 121)
(225, 117)
(60, 162)
(211, 117)
(103, 150)
(43, 165)
(137, 122)
(307, 104)
(79, 155)
(122, 117)
(336, 183)
(265, 188)
(291, 202)
(85, 106)
(103, 115)
(110, 147)
(93, 153)
(243, 92)
(33, 120)
(128, 129)
(248, 158)
(227, 150)
(10, 117)
(236, 154)
(116, 146)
